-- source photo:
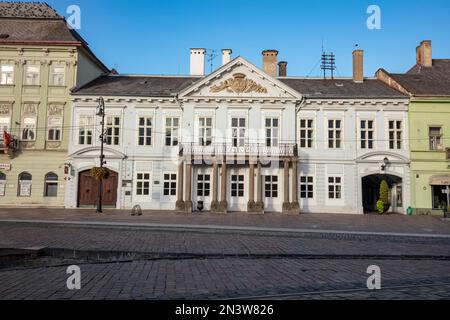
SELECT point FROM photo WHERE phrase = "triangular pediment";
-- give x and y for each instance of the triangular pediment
(240, 79)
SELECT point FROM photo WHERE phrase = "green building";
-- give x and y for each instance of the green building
(428, 85)
(41, 60)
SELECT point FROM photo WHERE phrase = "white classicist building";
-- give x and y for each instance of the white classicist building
(241, 139)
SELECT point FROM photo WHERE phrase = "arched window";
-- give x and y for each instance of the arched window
(25, 180)
(51, 185)
(2, 184)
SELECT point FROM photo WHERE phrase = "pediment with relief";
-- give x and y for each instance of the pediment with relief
(240, 79)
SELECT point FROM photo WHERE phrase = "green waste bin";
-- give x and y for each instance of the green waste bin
(409, 211)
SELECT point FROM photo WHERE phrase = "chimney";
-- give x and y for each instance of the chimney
(358, 66)
(198, 62)
(226, 56)
(282, 69)
(270, 62)
(424, 54)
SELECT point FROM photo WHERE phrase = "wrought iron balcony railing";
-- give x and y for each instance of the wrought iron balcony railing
(252, 150)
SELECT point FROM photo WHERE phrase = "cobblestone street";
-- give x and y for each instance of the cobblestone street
(140, 263)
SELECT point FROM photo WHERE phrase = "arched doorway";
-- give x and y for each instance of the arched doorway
(88, 190)
(371, 192)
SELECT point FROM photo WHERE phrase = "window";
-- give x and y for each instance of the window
(272, 132)
(306, 133)
(57, 75)
(237, 186)
(435, 134)
(85, 130)
(367, 134)
(399, 195)
(29, 128)
(170, 184)
(54, 129)
(172, 131)
(334, 134)
(32, 75)
(6, 74)
(143, 184)
(271, 186)
(145, 131)
(2, 184)
(203, 185)
(335, 188)
(395, 135)
(205, 131)
(25, 180)
(51, 185)
(307, 187)
(238, 131)
(113, 131)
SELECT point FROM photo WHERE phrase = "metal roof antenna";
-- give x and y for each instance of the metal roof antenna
(328, 64)
(211, 54)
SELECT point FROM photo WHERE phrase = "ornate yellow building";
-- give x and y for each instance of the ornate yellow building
(41, 60)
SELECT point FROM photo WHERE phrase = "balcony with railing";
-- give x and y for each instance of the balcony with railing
(230, 150)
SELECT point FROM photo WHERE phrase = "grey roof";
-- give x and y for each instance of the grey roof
(136, 86)
(341, 88)
(420, 81)
(37, 10)
(167, 86)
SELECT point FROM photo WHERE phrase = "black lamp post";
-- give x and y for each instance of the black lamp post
(101, 113)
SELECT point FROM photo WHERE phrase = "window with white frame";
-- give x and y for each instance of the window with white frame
(435, 134)
(143, 183)
(54, 128)
(306, 133)
(25, 182)
(334, 188)
(32, 75)
(237, 186)
(238, 131)
(57, 75)
(29, 128)
(334, 134)
(145, 131)
(205, 131)
(2, 184)
(170, 184)
(85, 130)
(113, 130)
(203, 185)
(272, 132)
(172, 131)
(6, 74)
(395, 134)
(51, 185)
(271, 186)
(307, 187)
(367, 132)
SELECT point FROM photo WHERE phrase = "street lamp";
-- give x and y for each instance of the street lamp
(385, 164)
(101, 113)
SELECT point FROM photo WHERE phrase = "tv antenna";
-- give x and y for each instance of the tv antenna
(328, 64)
(211, 55)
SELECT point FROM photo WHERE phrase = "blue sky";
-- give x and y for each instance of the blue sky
(154, 36)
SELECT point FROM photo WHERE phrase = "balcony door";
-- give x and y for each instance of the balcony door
(238, 127)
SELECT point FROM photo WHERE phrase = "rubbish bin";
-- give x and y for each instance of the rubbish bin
(409, 211)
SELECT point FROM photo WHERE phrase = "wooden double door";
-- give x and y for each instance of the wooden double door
(88, 190)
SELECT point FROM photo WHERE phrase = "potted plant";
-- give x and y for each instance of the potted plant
(384, 204)
(381, 207)
(100, 173)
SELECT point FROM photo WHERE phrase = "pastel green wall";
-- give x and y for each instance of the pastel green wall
(425, 113)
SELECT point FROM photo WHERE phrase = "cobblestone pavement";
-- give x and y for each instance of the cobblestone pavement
(361, 223)
(226, 265)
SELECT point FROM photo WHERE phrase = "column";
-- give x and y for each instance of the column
(286, 203)
(180, 191)
(188, 202)
(259, 207)
(223, 206)
(215, 188)
(251, 189)
(295, 206)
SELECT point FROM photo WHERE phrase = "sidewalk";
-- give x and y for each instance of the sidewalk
(334, 223)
